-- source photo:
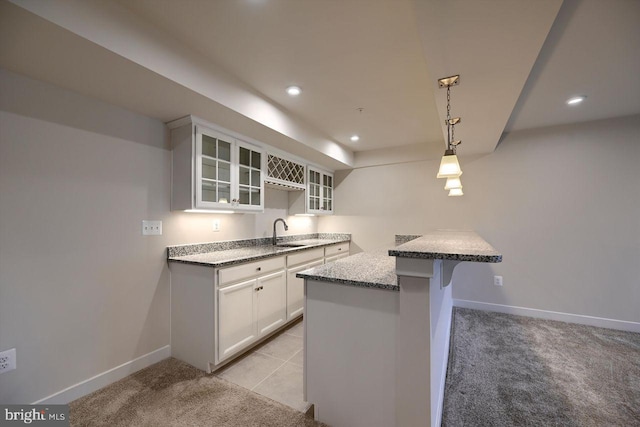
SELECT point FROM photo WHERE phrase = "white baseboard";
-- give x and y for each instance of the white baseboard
(621, 325)
(104, 379)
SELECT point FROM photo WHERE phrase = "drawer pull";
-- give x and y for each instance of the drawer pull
(339, 249)
(259, 269)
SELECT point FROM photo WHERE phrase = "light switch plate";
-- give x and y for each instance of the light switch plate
(152, 228)
(216, 225)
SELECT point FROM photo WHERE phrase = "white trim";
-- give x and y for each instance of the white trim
(197, 121)
(445, 365)
(104, 379)
(621, 325)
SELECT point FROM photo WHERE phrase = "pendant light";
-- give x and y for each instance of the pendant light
(453, 183)
(456, 192)
(449, 165)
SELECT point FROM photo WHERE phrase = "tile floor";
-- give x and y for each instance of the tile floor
(273, 369)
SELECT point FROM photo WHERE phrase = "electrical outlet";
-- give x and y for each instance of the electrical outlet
(497, 280)
(152, 228)
(7, 360)
(216, 225)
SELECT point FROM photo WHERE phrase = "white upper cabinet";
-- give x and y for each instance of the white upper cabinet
(324, 181)
(215, 169)
(318, 197)
(212, 170)
(250, 177)
(213, 175)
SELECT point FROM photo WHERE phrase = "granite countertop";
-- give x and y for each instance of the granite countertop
(375, 269)
(223, 254)
(448, 244)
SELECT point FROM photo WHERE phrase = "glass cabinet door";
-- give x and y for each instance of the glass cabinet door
(319, 192)
(327, 193)
(249, 177)
(314, 188)
(229, 173)
(214, 169)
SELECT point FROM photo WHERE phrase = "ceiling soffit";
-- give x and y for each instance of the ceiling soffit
(492, 45)
(112, 27)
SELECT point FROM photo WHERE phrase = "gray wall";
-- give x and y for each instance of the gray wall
(81, 290)
(562, 204)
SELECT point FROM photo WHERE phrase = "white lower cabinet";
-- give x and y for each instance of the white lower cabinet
(237, 317)
(339, 249)
(335, 257)
(335, 252)
(250, 309)
(271, 302)
(295, 289)
(216, 314)
(296, 263)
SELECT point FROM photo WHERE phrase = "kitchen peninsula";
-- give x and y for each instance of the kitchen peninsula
(377, 330)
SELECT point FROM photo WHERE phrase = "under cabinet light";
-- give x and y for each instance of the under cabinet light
(207, 211)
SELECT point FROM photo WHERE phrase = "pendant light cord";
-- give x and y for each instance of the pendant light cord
(449, 126)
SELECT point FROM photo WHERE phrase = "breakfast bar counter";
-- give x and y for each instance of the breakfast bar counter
(377, 330)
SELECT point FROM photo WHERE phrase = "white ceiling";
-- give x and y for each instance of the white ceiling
(344, 55)
(229, 62)
(593, 49)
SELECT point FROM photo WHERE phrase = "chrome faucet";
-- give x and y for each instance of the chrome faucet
(275, 236)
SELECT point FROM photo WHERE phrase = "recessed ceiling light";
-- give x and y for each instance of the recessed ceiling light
(576, 100)
(294, 90)
(354, 138)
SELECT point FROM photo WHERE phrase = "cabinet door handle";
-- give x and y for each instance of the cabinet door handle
(339, 249)
(259, 269)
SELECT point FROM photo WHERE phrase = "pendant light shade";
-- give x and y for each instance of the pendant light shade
(453, 183)
(456, 192)
(449, 166)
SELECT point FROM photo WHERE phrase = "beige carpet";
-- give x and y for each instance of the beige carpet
(507, 370)
(172, 393)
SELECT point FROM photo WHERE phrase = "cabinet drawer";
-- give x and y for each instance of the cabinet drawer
(336, 257)
(304, 256)
(249, 270)
(337, 249)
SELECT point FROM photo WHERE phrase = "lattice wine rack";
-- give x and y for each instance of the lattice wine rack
(284, 174)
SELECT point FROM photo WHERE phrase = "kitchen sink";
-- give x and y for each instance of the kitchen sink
(291, 245)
